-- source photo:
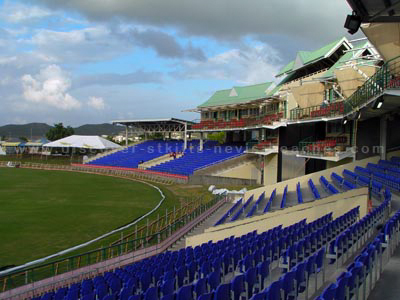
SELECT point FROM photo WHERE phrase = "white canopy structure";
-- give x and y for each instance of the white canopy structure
(84, 142)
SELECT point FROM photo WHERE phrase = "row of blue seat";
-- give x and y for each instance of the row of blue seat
(229, 212)
(269, 203)
(368, 264)
(327, 186)
(185, 265)
(306, 263)
(341, 182)
(242, 209)
(255, 206)
(195, 159)
(132, 156)
(299, 193)
(284, 197)
(314, 190)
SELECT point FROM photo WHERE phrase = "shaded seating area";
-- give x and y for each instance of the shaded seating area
(227, 269)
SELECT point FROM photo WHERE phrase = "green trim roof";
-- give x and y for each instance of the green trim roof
(307, 57)
(345, 58)
(238, 94)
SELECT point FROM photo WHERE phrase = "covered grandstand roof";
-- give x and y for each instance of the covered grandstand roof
(352, 57)
(240, 94)
(304, 58)
(376, 11)
(83, 141)
(156, 125)
(151, 121)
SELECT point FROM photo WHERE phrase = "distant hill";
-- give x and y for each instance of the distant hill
(26, 130)
(98, 129)
(37, 130)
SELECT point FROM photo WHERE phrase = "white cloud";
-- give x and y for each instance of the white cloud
(310, 19)
(89, 44)
(96, 103)
(17, 12)
(247, 65)
(49, 87)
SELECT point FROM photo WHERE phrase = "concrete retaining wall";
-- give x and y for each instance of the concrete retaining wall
(218, 180)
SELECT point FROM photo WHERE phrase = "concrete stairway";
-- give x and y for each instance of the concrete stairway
(209, 222)
(226, 165)
(157, 161)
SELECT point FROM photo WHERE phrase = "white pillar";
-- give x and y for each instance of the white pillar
(201, 140)
(185, 138)
(383, 130)
(126, 135)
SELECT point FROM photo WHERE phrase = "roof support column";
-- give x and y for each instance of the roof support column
(126, 135)
(201, 141)
(185, 138)
(383, 130)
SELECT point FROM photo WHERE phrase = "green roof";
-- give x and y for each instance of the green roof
(238, 94)
(343, 59)
(307, 57)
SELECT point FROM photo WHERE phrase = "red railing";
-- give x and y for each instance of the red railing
(266, 144)
(134, 170)
(260, 120)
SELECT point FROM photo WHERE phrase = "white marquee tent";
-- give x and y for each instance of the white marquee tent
(83, 142)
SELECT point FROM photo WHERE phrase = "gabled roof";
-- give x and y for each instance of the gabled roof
(345, 59)
(238, 94)
(83, 141)
(304, 58)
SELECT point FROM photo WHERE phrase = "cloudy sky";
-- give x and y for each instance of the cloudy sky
(93, 61)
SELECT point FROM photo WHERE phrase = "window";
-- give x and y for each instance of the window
(204, 115)
(215, 115)
(330, 95)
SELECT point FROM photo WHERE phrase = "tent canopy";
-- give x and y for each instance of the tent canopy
(83, 141)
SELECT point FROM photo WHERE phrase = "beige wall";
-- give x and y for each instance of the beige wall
(270, 169)
(385, 37)
(334, 164)
(338, 204)
(247, 170)
(303, 179)
(309, 94)
(349, 79)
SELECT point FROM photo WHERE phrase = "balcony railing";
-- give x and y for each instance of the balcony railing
(266, 119)
(327, 147)
(386, 77)
(257, 146)
(318, 111)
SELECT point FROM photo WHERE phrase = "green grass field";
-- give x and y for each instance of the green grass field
(42, 212)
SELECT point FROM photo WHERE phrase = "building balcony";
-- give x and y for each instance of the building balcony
(265, 147)
(384, 81)
(332, 149)
(318, 111)
(256, 121)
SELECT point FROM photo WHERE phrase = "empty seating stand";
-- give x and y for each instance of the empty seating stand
(227, 269)
(132, 156)
(194, 159)
(359, 278)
